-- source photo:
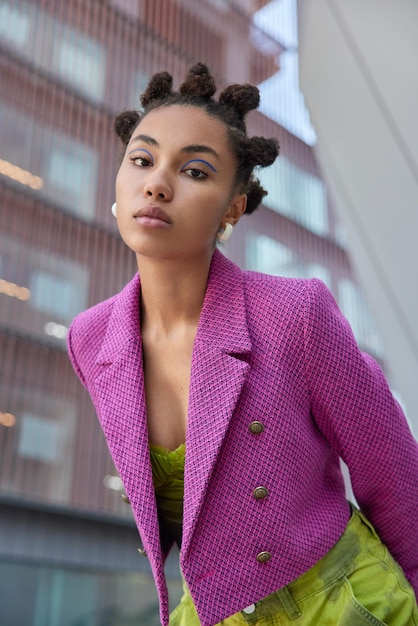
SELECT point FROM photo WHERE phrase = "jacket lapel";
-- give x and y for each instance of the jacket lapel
(219, 368)
(122, 411)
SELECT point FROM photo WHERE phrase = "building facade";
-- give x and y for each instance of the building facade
(68, 544)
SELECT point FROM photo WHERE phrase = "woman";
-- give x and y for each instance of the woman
(258, 377)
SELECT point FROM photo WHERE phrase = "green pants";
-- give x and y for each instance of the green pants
(357, 583)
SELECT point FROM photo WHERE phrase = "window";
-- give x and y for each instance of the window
(17, 138)
(68, 167)
(341, 236)
(14, 25)
(296, 194)
(267, 255)
(58, 288)
(281, 97)
(42, 453)
(75, 57)
(140, 84)
(219, 5)
(355, 309)
(81, 61)
(79, 597)
(60, 295)
(40, 439)
(71, 170)
(132, 8)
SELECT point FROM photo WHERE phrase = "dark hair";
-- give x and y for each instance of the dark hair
(234, 102)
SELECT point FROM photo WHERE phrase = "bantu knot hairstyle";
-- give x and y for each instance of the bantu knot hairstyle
(242, 98)
(198, 83)
(159, 87)
(124, 125)
(234, 102)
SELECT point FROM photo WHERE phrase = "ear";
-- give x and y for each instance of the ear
(236, 208)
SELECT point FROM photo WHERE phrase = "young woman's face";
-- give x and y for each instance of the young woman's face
(175, 186)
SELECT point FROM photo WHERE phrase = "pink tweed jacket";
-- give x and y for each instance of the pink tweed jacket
(275, 351)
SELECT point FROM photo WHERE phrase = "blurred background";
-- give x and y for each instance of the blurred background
(342, 206)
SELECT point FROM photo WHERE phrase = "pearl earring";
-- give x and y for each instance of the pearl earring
(226, 233)
(114, 210)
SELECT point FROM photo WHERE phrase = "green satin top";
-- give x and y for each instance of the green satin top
(168, 477)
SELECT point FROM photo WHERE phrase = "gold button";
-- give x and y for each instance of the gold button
(256, 428)
(260, 492)
(125, 498)
(142, 552)
(263, 557)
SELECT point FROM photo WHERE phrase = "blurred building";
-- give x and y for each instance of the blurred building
(68, 544)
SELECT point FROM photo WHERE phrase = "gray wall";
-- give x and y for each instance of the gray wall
(358, 73)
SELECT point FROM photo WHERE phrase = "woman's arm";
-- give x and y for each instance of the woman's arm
(355, 409)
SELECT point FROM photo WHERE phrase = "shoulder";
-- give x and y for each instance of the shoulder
(293, 296)
(304, 298)
(93, 319)
(89, 328)
(85, 336)
(97, 315)
(266, 284)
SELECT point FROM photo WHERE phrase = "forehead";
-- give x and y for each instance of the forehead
(183, 124)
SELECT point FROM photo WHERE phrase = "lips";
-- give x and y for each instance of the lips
(153, 213)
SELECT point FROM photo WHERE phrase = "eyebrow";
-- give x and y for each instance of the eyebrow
(193, 148)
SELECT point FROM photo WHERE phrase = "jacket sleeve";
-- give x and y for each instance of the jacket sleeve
(355, 409)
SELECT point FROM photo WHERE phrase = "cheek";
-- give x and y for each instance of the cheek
(124, 194)
(125, 176)
(121, 174)
(207, 224)
(118, 187)
(208, 210)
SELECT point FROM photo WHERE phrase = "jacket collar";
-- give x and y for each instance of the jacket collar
(222, 321)
(123, 326)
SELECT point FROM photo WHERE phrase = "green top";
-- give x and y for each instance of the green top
(168, 477)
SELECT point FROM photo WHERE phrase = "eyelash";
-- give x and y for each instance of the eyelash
(144, 162)
(202, 173)
(134, 160)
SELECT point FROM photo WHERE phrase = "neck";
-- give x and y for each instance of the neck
(172, 292)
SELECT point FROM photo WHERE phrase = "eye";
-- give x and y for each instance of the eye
(194, 172)
(194, 169)
(140, 161)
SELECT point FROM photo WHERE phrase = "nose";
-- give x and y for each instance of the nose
(158, 189)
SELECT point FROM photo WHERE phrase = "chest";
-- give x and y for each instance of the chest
(167, 370)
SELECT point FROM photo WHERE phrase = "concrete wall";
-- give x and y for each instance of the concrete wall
(358, 67)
